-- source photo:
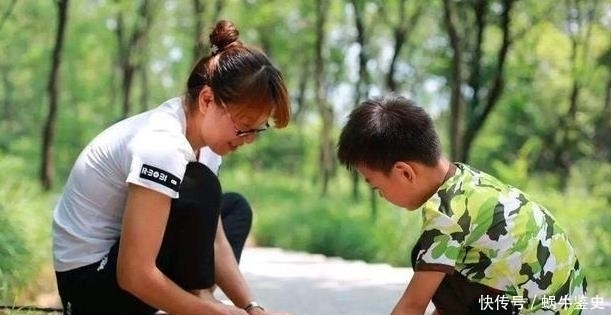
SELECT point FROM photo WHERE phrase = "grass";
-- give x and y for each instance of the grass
(27, 312)
(291, 213)
(25, 243)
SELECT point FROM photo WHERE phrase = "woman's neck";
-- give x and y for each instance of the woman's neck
(191, 130)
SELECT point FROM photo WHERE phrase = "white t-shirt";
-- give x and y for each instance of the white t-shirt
(149, 149)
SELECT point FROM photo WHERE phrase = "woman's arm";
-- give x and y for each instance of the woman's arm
(228, 275)
(227, 272)
(144, 221)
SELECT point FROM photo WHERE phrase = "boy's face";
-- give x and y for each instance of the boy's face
(397, 186)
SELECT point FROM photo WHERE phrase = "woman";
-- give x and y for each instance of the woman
(137, 228)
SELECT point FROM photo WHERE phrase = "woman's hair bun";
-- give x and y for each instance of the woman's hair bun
(223, 35)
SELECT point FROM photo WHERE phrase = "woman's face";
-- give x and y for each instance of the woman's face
(230, 131)
(221, 127)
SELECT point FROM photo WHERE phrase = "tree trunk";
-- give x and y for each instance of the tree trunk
(481, 109)
(131, 49)
(198, 27)
(457, 106)
(199, 33)
(7, 13)
(400, 32)
(361, 86)
(582, 20)
(325, 110)
(603, 126)
(144, 83)
(302, 89)
(48, 134)
(7, 116)
(467, 121)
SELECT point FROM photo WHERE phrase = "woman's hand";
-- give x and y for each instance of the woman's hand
(259, 311)
(224, 309)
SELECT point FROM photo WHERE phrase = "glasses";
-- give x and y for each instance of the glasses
(244, 133)
(248, 132)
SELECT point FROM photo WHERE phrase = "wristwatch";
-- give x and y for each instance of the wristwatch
(251, 305)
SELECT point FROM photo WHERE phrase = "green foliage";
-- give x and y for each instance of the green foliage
(18, 312)
(13, 255)
(279, 150)
(289, 213)
(24, 229)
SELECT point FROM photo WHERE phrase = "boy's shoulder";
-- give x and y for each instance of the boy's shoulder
(471, 192)
(470, 180)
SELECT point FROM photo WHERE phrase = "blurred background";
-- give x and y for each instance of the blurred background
(518, 88)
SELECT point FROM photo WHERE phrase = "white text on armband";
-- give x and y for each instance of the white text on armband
(160, 176)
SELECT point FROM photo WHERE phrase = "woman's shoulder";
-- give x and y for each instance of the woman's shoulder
(168, 117)
(161, 133)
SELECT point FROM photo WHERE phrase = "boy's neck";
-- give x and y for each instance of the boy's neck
(450, 170)
(435, 176)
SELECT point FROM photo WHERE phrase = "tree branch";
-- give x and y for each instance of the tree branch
(7, 13)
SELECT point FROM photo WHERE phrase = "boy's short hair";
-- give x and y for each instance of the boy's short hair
(385, 130)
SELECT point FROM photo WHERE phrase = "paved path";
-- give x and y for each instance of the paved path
(306, 284)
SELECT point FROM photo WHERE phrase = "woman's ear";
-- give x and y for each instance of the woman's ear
(406, 170)
(205, 99)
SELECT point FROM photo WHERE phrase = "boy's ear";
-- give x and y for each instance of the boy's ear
(406, 170)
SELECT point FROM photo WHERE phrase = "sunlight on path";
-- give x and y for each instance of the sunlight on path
(310, 284)
(307, 284)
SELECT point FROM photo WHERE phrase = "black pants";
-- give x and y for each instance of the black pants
(186, 255)
(457, 295)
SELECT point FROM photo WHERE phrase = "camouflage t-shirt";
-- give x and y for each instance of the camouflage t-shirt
(494, 235)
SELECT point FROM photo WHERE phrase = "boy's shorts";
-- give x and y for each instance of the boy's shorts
(457, 295)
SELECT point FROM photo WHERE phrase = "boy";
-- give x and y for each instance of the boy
(485, 247)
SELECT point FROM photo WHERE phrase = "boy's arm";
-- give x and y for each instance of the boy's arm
(419, 293)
